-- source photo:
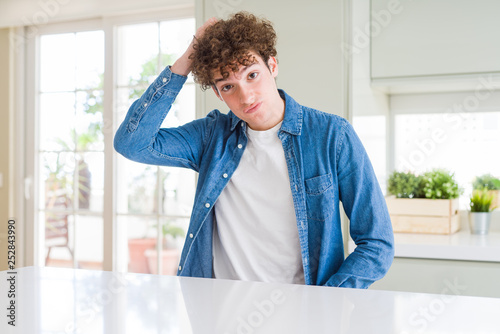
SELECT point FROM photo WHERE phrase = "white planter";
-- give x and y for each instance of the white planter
(479, 222)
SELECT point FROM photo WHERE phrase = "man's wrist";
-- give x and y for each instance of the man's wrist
(181, 67)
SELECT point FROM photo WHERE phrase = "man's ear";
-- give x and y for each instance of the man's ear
(216, 91)
(273, 66)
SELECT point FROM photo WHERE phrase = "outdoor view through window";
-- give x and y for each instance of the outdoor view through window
(153, 204)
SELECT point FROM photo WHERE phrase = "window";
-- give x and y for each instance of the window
(71, 150)
(152, 201)
(80, 104)
(462, 144)
(372, 133)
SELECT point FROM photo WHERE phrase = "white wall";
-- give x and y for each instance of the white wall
(312, 67)
(365, 100)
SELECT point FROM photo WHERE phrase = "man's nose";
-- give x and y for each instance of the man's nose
(246, 95)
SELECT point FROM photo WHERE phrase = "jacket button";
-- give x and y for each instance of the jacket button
(224, 175)
(191, 235)
(207, 205)
(164, 79)
(240, 146)
(180, 268)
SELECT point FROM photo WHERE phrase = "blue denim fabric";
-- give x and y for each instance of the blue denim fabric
(327, 165)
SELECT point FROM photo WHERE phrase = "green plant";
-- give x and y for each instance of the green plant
(405, 185)
(169, 229)
(436, 184)
(486, 181)
(441, 184)
(480, 201)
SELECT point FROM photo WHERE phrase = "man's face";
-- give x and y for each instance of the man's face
(251, 93)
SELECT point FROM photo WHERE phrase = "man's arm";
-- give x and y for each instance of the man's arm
(370, 224)
(140, 138)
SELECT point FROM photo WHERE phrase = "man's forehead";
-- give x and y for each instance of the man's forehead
(230, 69)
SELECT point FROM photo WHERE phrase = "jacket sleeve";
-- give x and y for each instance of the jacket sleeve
(370, 225)
(140, 138)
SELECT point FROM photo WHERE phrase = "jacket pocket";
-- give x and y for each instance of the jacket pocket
(319, 197)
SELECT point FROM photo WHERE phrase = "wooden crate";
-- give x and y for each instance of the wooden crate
(496, 199)
(420, 215)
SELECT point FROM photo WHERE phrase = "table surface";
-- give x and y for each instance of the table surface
(56, 300)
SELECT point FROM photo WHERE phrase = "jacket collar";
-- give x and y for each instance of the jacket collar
(292, 122)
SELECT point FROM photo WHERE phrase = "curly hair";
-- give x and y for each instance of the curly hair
(226, 45)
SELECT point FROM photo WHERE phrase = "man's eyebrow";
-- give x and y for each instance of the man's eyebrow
(243, 69)
(218, 80)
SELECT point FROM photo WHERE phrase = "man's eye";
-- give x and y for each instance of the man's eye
(253, 75)
(226, 88)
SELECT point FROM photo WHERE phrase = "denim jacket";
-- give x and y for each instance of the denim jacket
(327, 165)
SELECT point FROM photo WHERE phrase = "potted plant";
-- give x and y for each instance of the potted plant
(169, 253)
(480, 211)
(492, 184)
(425, 203)
(406, 185)
(137, 247)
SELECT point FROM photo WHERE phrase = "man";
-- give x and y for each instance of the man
(271, 172)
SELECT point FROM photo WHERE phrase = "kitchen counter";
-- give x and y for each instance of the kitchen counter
(458, 246)
(55, 300)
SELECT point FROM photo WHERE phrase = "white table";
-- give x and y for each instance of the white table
(53, 300)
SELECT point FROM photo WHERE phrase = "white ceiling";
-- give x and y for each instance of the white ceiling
(14, 13)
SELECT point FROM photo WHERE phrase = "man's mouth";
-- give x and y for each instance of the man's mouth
(252, 108)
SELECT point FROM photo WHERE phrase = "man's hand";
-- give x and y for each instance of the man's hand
(183, 65)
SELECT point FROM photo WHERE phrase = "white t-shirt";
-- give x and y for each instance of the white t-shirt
(255, 235)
